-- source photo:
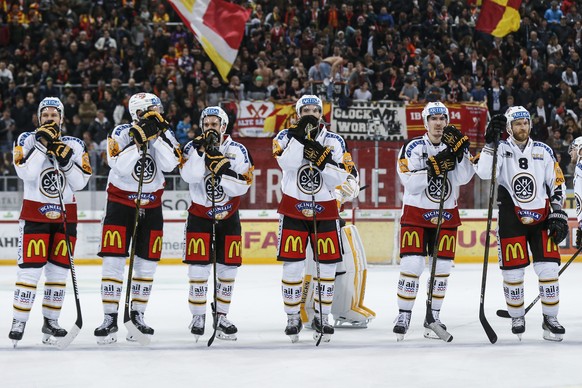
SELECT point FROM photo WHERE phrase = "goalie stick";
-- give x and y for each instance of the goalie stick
(140, 337)
(505, 313)
(65, 341)
(436, 328)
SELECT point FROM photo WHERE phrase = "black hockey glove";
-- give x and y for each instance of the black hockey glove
(441, 162)
(457, 142)
(578, 238)
(211, 139)
(62, 152)
(157, 118)
(144, 130)
(216, 162)
(495, 128)
(317, 153)
(558, 225)
(300, 128)
(49, 131)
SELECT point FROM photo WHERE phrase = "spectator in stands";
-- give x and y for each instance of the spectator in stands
(257, 90)
(100, 127)
(235, 90)
(363, 93)
(409, 92)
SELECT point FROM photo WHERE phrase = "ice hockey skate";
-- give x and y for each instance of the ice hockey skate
(226, 330)
(107, 332)
(52, 331)
(428, 332)
(294, 326)
(402, 322)
(138, 321)
(553, 331)
(518, 326)
(16, 331)
(322, 329)
(197, 325)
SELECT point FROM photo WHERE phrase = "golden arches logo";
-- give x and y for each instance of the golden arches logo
(196, 245)
(62, 247)
(157, 246)
(295, 243)
(514, 249)
(449, 242)
(551, 245)
(235, 247)
(325, 245)
(112, 238)
(36, 246)
(408, 237)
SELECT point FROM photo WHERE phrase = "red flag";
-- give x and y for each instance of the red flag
(218, 25)
(499, 17)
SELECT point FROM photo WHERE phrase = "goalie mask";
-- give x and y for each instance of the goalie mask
(317, 111)
(434, 108)
(53, 102)
(516, 113)
(217, 112)
(576, 147)
(142, 102)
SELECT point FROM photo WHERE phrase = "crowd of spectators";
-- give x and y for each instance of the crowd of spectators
(95, 54)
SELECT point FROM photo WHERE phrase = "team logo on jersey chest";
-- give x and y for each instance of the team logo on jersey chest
(309, 180)
(435, 187)
(219, 194)
(524, 187)
(149, 172)
(49, 184)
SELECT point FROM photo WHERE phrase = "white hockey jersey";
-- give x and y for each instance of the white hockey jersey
(422, 193)
(124, 159)
(578, 191)
(37, 170)
(529, 179)
(298, 185)
(228, 188)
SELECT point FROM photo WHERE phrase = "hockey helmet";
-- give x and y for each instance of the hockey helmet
(434, 108)
(142, 102)
(54, 102)
(516, 113)
(576, 146)
(215, 111)
(308, 99)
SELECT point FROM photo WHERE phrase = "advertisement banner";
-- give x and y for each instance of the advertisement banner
(376, 120)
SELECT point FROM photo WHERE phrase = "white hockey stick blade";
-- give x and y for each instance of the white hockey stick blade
(440, 332)
(64, 342)
(137, 335)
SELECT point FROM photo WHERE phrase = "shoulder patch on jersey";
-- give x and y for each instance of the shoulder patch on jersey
(242, 149)
(545, 147)
(120, 128)
(75, 139)
(281, 134)
(413, 144)
(338, 138)
(22, 138)
(187, 148)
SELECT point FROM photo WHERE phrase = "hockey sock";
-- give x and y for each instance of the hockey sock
(292, 285)
(549, 287)
(111, 283)
(54, 290)
(326, 282)
(441, 278)
(142, 282)
(410, 269)
(225, 276)
(513, 290)
(25, 292)
(198, 275)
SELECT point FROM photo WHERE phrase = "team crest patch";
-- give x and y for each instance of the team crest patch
(524, 187)
(217, 190)
(150, 170)
(433, 216)
(435, 187)
(306, 208)
(51, 211)
(309, 180)
(48, 182)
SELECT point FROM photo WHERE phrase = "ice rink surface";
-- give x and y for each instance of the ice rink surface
(264, 357)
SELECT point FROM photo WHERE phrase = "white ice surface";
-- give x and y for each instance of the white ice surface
(264, 357)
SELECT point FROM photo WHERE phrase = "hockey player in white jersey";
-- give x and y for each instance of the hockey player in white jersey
(219, 171)
(530, 197)
(42, 242)
(151, 134)
(421, 166)
(576, 155)
(314, 162)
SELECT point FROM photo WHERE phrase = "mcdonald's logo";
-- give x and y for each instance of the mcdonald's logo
(551, 246)
(111, 238)
(323, 244)
(235, 247)
(449, 241)
(408, 238)
(157, 246)
(37, 245)
(295, 243)
(62, 246)
(195, 245)
(514, 249)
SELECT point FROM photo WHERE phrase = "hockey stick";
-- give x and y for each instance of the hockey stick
(213, 258)
(429, 318)
(315, 251)
(505, 313)
(65, 341)
(140, 337)
(486, 326)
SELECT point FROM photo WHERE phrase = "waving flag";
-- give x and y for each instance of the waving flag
(499, 17)
(218, 25)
